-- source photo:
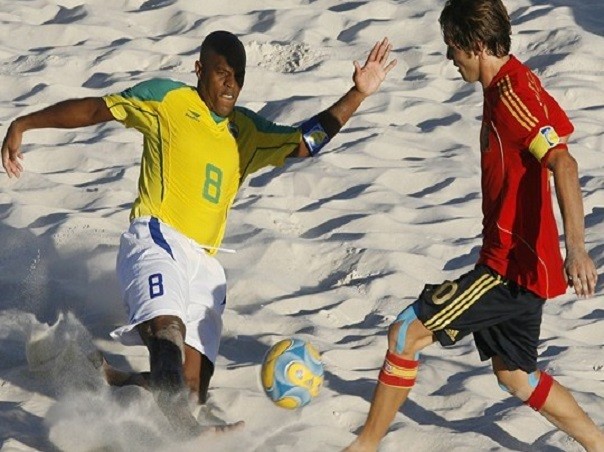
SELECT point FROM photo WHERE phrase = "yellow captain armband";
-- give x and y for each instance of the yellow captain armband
(546, 139)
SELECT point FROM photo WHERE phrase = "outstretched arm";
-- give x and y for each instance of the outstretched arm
(367, 80)
(579, 267)
(68, 114)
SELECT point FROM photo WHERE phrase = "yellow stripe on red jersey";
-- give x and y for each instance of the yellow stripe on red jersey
(192, 164)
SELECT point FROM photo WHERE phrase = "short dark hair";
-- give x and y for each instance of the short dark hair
(229, 46)
(466, 23)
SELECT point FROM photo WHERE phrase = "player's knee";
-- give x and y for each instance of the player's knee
(403, 338)
(402, 341)
(166, 349)
(514, 383)
(171, 329)
(166, 366)
(506, 385)
(398, 340)
(532, 388)
(401, 362)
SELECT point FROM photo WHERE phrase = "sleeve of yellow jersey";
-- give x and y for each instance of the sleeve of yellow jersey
(138, 106)
(263, 143)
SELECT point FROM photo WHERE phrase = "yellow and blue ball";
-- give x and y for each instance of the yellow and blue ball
(292, 373)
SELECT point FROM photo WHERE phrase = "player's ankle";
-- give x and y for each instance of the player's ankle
(361, 445)
(595, 444)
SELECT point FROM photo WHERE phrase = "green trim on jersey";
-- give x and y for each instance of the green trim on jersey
(155, 91)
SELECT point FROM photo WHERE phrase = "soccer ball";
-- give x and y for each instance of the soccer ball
(292, 373)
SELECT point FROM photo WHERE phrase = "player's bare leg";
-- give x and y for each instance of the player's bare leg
(388, 399)
(386, 402)
(164, 337)
(559, 407)
(562, 410)
(198, 372)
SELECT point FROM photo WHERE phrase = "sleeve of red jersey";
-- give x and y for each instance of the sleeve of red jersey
(533, 117)
(557, 116)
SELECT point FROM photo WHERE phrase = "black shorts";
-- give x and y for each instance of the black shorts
(504, 317)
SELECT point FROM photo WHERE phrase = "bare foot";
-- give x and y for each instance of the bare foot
(220, 429)
(356, 446)
(116, 377)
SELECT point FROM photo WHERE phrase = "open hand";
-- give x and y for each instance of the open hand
(11, 151)
(581, 273)
(368, 78)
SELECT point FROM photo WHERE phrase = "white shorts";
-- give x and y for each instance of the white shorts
(162, 272)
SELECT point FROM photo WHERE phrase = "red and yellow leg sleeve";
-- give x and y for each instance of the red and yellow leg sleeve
(398, 372)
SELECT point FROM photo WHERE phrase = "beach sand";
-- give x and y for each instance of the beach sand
(328, 249)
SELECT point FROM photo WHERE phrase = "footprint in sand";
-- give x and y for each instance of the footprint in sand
(292, 57)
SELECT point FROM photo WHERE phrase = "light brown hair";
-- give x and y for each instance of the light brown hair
(468, 23)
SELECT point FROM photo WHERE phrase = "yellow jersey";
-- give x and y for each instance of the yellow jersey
(194, 162)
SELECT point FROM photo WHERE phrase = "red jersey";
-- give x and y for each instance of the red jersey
(521, 123)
